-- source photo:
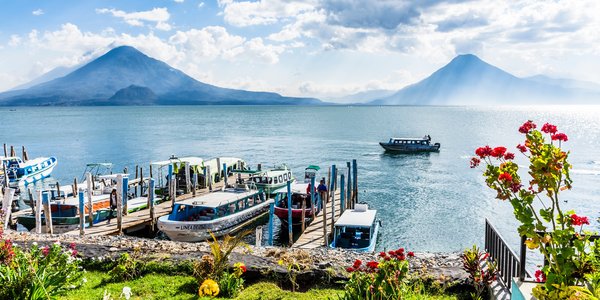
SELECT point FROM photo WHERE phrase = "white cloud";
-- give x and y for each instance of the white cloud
(179, 1)
(160, 16)
(15, 40)
(201, 4)
(37, 12)
(262, 12)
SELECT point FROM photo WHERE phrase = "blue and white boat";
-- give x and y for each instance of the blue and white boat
(19, 172)
(356, 229)
(410, 145)
(220, 213)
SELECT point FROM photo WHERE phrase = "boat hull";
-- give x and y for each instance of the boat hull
(63, 224)
(199, 231)
(410, 149)
(282, 214)
(372, 242)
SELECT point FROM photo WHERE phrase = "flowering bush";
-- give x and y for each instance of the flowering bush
(481, 278)
(208, 288)
(383, 279)
(558, 234)
(39, 273)
(232, 283)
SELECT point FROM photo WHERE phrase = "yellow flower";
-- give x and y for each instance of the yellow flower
(280, 262)
(531, 244)
(208, 288)
(546, 239)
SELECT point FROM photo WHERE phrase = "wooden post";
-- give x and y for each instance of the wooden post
(7, 205)
(328, 185)
(31, 202)
(151, 201)
(324, 212)
(90, 193)
(137, 173)
(349, 189)
(219, 168)
(342, 195)
(187, 177)
(5, 152)
(12, 151)
(210, 179)
(5, 183)
(24, 154)
(172, 187)
(141, 184)
(333, 186)
(355, 181)
(125, 194)
(120, 203)
(289, 204)
(150, 171)
(303, 214)
(47, 212)
(271, 212)
(38, 213)
(195, 183)
(225, 174)
(81, 214)
(58, 190)
(75, 188)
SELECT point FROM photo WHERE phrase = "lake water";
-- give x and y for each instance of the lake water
(427, 202)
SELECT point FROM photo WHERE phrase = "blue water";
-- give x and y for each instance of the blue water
(427, 202)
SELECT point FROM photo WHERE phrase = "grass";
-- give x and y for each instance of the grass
(160, 286)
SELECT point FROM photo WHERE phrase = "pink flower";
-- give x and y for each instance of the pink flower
(560, 137)
(45, 251)
(527, 127)
(72, 246)
(549, 128)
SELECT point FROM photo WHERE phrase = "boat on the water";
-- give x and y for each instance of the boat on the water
(356, 229)
(301, 197)
(410, 145)
(26, 172)
(220, 213)
(272, 179)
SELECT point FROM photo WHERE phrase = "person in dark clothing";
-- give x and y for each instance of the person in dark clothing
(322, 189)
(113, 203)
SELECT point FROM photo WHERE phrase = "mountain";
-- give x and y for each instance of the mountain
(469, 80)
(566, 82)
(101, 82)
(363, 96)
(52, 74)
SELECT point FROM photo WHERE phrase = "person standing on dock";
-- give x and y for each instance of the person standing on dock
(113, 203)
(322, 189)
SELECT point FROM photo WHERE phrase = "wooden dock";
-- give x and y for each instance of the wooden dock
(313, 236)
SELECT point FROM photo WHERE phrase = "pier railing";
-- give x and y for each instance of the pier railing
(509, 264)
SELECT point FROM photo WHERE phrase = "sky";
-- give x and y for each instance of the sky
(314, 48)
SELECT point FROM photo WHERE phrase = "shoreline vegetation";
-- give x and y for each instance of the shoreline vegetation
(318, 274)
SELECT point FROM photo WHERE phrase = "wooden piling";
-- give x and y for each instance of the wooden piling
(195, 183)
(31, 202)
(12, 151)
(151, 201)
(303, 214)
(271, 212)
(125, 195)
(7, 205)
(58, 189)
(38, 213)
(24, 154)
(313, 198)
(5, 183)
(151, 171)
(355, 181)
(349, 188)
(219, 168)
(5, 152)
(137, 173)
(210, 178)
(141, 183)
(332, 192)
(187, 177)
(47, 212)
(81, 214)
(120, 204)
(342, 195)
(324, 213)
(75, 188)
(90, 193)
(289, 204)
(225, 174)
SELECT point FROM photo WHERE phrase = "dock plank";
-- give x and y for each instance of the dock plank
(312, 237)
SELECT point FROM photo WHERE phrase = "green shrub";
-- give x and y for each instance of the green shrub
(126, 268)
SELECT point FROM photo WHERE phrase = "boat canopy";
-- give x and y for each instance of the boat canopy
(94, 165)
(409, 139)
(296, 188)
(220, 198)
(313, 167)
(192, 160)
(357, 218)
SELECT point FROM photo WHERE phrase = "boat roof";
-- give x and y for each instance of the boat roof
(107, 165)
(409, 139)
(192, 160)
(313, 167)
(218, 198)
(296, 188)
(357, 218)
(113, 176)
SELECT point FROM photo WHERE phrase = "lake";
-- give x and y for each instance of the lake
(427, 202)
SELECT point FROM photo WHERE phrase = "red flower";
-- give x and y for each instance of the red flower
(522, 148)
(411, 254)
(515, 187)
(72, 246)
(45, 251)
(549, 128)
(560, 137)
(357, 263)
(540, 276)
(387, 258)
(509, 156)
(527, 127)
(505, 177)
(73, 252)
(382, 254)
(498, 152)
(577, 220)
(243, 268)
(349, 269)
(373, 264)
(401, 257)
(483, 152)
(400, 251)
(475, 162)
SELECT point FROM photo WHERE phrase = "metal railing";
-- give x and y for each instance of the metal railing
(508, 263)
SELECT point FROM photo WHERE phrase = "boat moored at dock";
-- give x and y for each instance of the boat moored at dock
(26, 172)
(301, 197)
(219, 212)
(356, 229)
(271, 179)
(410, 145)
